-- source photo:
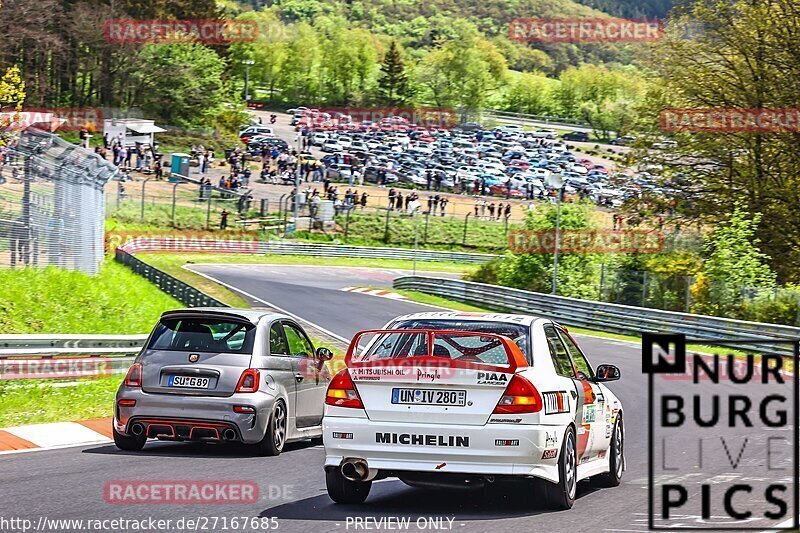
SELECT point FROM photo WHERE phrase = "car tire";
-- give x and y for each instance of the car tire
(275, 436)
(616, 461)
(129, 444)
(561, 495)
(342, 490)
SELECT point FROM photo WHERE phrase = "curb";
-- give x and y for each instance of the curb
(18, 439)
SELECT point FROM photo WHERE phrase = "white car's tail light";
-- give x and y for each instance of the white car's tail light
(519, 397)
(342, 392)
(249, 381)
(134, 376)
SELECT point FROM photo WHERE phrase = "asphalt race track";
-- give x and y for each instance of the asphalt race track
(69, 483)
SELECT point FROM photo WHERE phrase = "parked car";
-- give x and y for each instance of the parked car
(625, 140)
(579, 136)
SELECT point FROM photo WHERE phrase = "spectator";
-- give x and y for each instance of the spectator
(443, 204)
(364, 199)
(508, 210)
(392, 195)
(223, 223)
(491, 211)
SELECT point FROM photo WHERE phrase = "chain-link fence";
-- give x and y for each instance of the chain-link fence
(51, 203)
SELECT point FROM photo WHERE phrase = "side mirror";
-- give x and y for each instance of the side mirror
(324, 354)
(606, 373)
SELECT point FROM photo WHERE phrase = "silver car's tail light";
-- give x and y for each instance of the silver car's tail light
(249, 381)
(134, 376)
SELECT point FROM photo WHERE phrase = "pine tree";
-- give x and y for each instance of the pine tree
(393, 87)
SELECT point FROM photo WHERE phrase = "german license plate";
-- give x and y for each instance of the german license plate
(456, 398)
(188, 382)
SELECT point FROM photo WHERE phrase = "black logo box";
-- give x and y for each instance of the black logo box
(678, 366)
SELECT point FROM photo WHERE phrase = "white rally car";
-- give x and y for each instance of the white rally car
(463, 399)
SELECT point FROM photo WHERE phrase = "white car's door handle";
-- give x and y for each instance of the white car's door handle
(298, 376)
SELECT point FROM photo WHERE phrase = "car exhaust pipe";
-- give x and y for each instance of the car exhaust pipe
(355, 469)
(137, 429)
(228, 434)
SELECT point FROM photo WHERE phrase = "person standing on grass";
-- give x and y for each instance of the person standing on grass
(364, 199)
(499, 210)
(491, 211)
(223, 223)
(392, 195)
(443, 204)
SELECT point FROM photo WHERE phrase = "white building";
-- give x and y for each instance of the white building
(131, 130)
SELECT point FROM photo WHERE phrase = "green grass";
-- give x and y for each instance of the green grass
(29, 401)
(442, 232)
(169, 262)
(50, 300)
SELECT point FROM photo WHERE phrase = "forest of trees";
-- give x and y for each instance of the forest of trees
(321, 52)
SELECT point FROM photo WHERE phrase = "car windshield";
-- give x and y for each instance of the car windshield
(465, 348)
(203, 335)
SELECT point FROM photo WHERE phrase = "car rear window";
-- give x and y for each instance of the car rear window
(204, 335)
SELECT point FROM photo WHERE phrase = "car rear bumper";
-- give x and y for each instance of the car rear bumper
(484, 450)
(205, 416)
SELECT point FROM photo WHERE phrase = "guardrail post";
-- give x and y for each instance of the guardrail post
(208, 210)
(386, 229)
(174, 192)
(602, 281)
(280, 204)
(346, 225)
(143, 185)
(466, 220)
(644, 289)
(425, 237)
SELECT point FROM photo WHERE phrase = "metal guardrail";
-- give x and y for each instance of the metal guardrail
(339, 250)
(610, 317)
(536, 118)
(71, 342)
(183, 244)
(187, 294)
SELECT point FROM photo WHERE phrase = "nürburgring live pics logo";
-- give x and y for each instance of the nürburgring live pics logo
(722, 434)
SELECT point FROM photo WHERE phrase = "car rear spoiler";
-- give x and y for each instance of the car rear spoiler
(197, 313)
(516, 359)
